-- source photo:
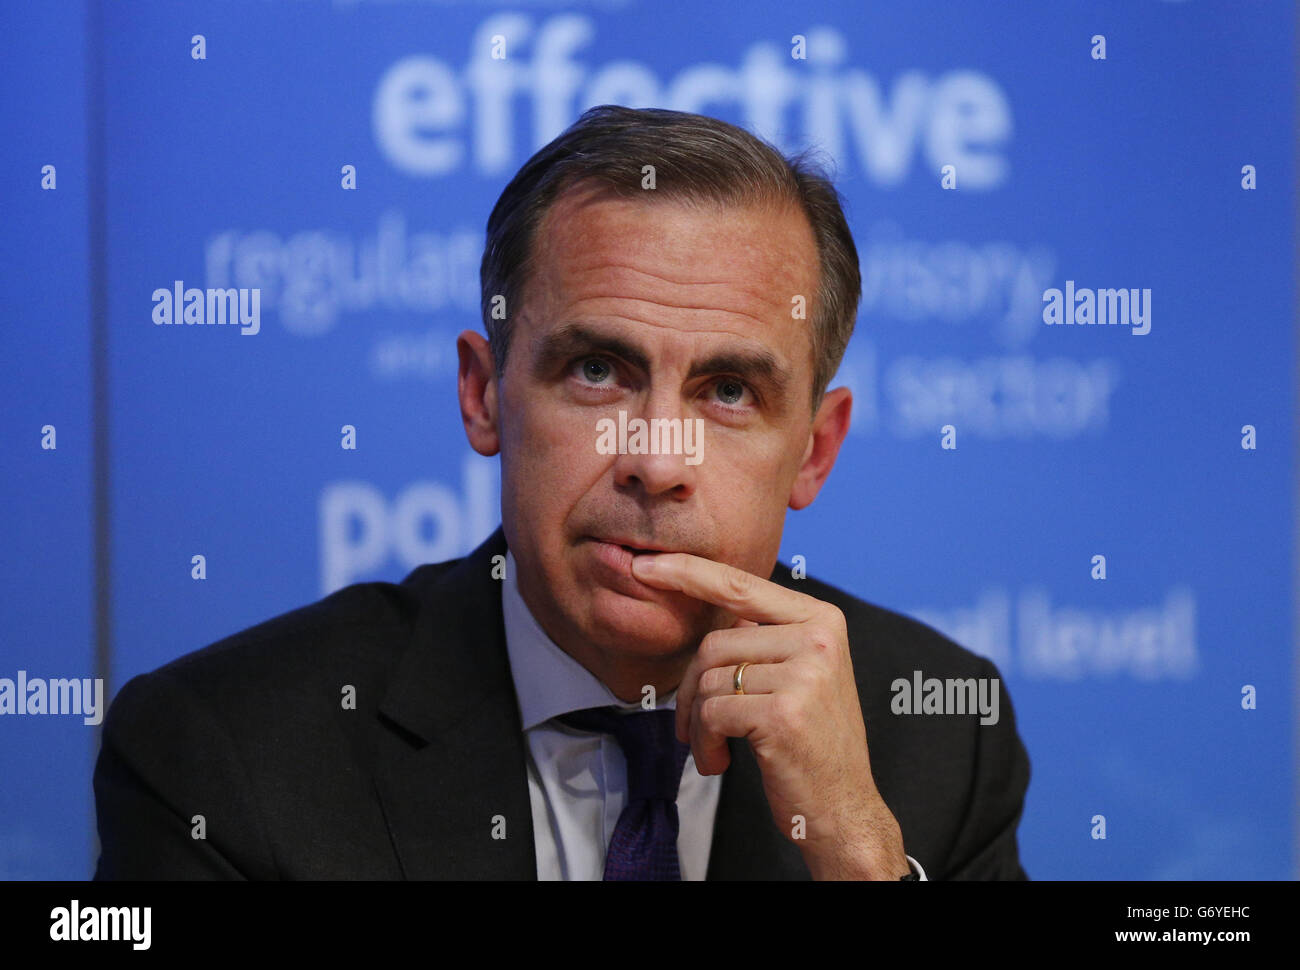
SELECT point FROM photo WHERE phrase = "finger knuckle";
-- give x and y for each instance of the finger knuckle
(823, 641)
(709, 711)
(833, 616)
(806, 675)
(738, 583)
(711, 647)
(715, 681)
(787, 712)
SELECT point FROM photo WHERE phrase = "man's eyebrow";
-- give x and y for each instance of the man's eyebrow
(573, 339)
(759, 367)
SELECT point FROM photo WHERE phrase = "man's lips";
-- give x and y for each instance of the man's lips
(617, 554)
(633, 546)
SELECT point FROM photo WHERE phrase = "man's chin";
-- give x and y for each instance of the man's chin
(633, 625)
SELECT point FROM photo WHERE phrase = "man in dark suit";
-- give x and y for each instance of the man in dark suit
(608, 686)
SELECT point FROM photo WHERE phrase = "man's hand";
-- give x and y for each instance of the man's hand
(799, 712)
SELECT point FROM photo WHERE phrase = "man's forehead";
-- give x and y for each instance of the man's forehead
(767, 246)
(700, 270)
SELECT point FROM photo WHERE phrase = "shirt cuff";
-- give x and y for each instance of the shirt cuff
(916, 867)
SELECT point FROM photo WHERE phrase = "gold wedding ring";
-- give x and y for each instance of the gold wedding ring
(736, 681)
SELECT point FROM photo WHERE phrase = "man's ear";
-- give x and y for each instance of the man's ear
(476, 385)
(829, 427)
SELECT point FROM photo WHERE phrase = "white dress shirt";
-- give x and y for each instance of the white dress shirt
(577, 782)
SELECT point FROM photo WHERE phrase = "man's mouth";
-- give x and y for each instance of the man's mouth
(631, 543)
(617, 554)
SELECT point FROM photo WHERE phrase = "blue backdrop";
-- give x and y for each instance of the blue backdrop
(1144, 145)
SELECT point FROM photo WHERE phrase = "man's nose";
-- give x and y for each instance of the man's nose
(664, 447)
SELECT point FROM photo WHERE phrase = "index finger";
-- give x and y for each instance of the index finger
(742, 593)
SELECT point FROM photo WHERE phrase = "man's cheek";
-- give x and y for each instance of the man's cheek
(548, 433)
(573, 444)
(752, 467)
(759, 450)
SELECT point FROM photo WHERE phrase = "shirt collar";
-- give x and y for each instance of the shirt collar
(548, 682)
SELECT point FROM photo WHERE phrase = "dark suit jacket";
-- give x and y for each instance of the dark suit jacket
(251, 734)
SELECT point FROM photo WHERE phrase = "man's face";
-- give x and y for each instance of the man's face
(661, 311)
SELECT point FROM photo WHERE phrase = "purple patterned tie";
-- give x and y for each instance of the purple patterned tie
(644, 845)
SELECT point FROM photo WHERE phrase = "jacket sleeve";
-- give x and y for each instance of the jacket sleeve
(986, 846)
(166, 758)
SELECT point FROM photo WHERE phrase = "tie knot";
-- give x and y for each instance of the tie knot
(649, 741)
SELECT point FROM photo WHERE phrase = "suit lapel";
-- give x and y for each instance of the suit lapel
(451, 760)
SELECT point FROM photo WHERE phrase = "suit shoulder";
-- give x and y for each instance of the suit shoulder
(354, 633)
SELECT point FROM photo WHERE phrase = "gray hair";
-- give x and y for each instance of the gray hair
(696, 159)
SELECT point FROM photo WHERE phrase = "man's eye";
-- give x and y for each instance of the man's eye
(595, 369)
(730, 392)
